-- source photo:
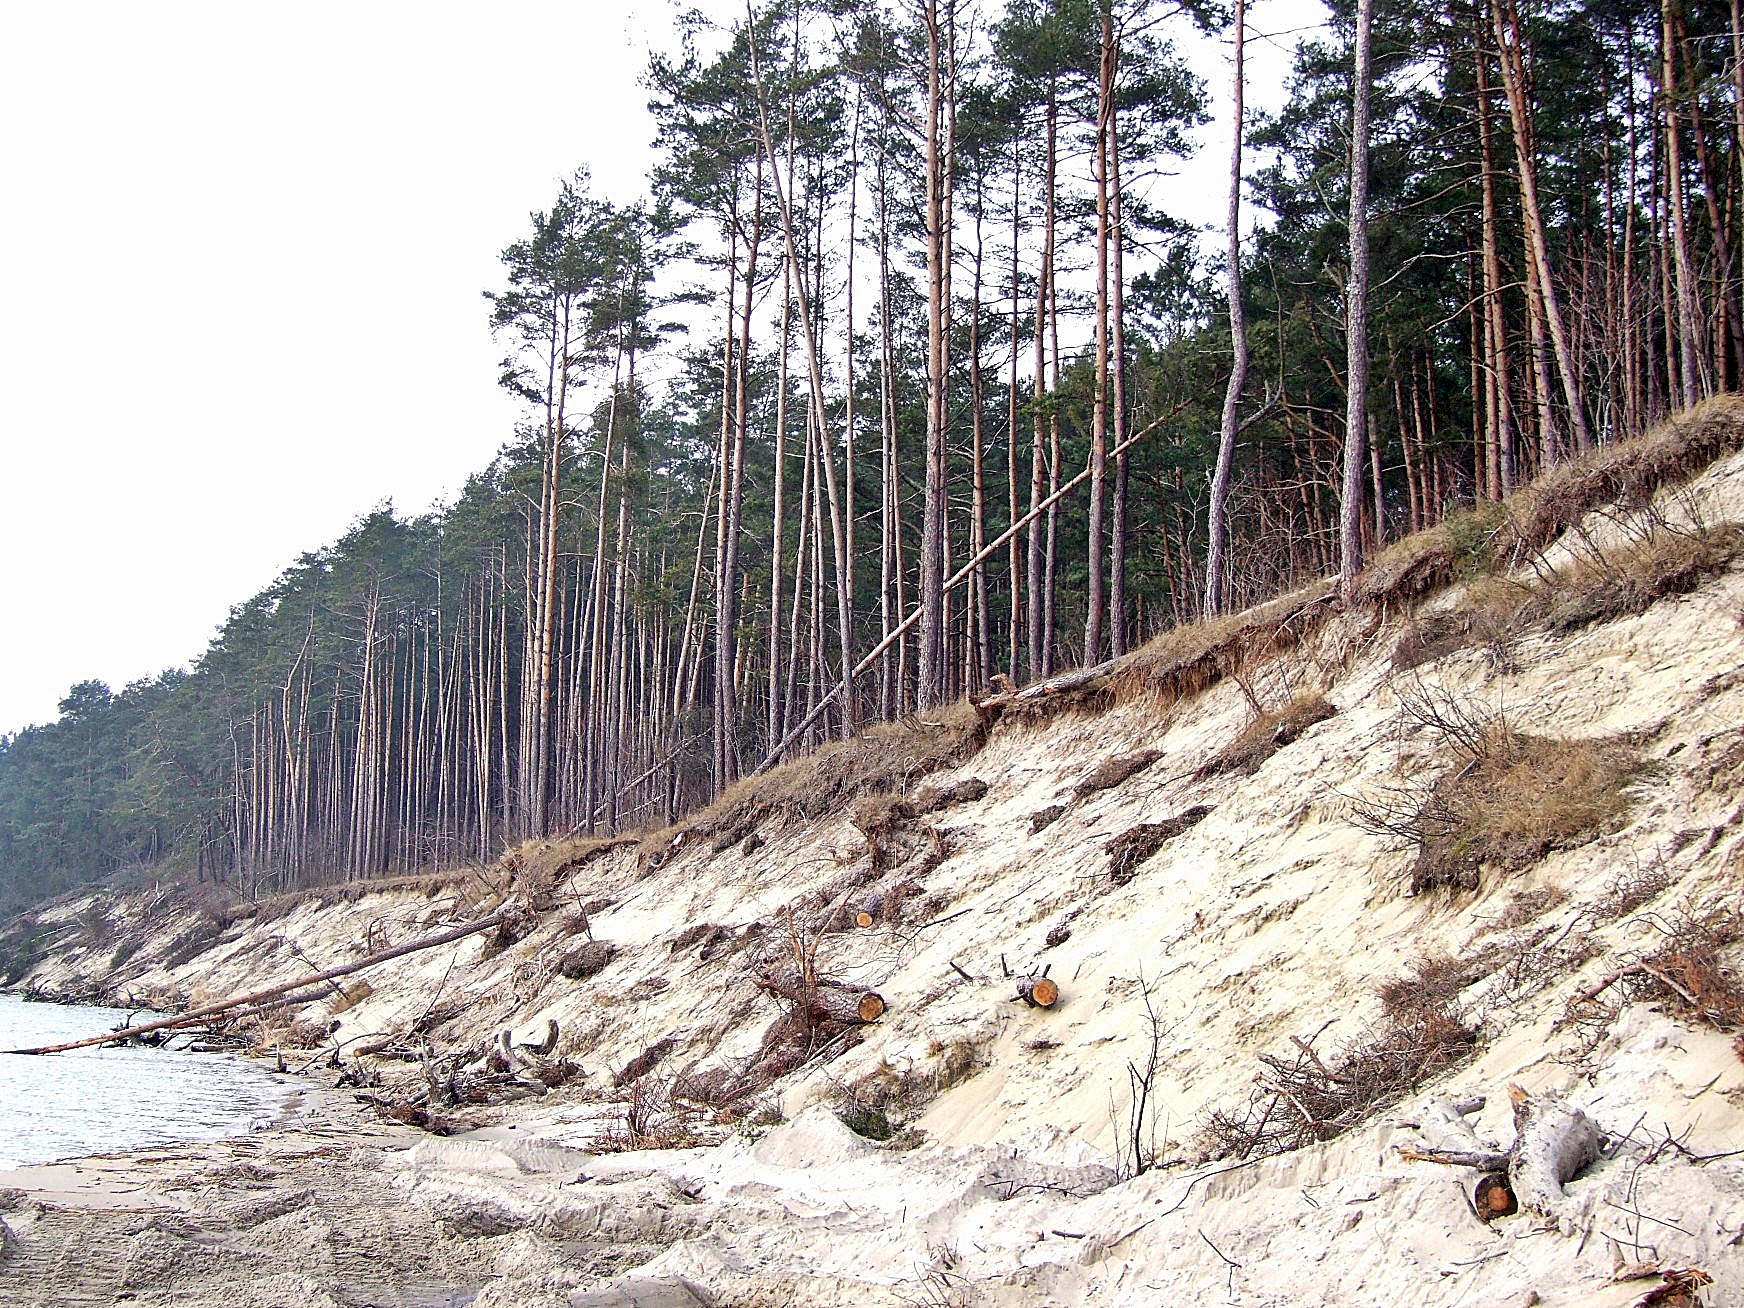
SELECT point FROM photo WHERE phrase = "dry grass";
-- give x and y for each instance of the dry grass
(1523, 797)
(1626, 473)
(890, 757)
(1506, 800)
(1269, 732)
(1602, 584)
(1182, 662)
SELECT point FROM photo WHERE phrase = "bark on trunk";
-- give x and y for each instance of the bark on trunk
(825, 999)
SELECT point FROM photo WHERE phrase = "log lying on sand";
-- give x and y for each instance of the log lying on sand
(1553, 1142)
(273, 992)
(1038, 991)
(825, 1000)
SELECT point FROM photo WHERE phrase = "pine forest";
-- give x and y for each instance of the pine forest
(906, 377)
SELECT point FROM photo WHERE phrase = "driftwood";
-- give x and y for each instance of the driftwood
(826, 999)
(1553, 1142)
(260, 997)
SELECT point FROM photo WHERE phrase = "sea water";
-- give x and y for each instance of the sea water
(55, 1106)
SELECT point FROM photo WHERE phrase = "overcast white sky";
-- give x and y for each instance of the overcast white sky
(241, 255)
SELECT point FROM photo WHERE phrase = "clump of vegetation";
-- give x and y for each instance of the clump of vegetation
(1627, 579)
(1507, 799)
(586, 960)
(1269, 732)
(1129, 850)
(1113, 771)
(865, 1120)
(646, 1061)
(194, 939)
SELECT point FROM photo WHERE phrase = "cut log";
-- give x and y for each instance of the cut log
(1493, 1197)
(826, 1000)
(1038, 991)
(273, 992)
(864, 918)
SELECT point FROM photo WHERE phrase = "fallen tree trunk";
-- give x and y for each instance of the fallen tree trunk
(825, 1000)
(273, 992)
(1077, 679)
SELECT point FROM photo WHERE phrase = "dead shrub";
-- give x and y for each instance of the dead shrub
(1269, 732)
(1127, 851)
(1507, 799)
(1043, 818)
(306, 1034)
(1629, 890)
(791, 1042)
(1301, 1099)
(192, 940)
(1113, 771)
(1433, 983)
(651, 1121)
(518, 922)
(1685, 973)
(880, 817)
(712, 939)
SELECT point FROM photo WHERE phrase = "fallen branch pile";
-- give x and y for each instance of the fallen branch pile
(1303, 1099)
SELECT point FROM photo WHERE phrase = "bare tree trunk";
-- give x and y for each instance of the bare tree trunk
(1356, 313)
(1514, 84)
(1217, 543)
(933, 671)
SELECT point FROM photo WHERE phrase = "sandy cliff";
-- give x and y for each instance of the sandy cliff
(1211, 851)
